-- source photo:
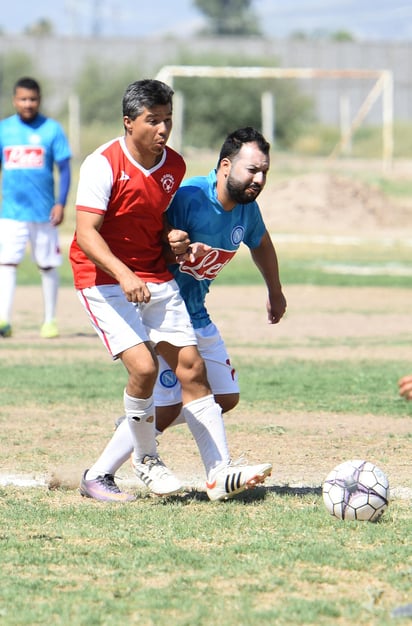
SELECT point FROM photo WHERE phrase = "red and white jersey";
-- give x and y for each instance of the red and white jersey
(133, 201)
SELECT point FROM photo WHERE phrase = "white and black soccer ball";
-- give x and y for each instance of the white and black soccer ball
(356, 490)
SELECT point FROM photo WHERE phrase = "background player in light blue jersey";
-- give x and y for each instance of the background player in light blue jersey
(30, 146)
(221, 212)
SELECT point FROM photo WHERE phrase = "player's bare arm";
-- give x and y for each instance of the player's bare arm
(95, 247)
(265, 259)
(57, 214)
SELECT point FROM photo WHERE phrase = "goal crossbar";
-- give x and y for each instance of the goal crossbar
(383, 86)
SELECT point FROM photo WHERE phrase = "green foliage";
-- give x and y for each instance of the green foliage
(101, 94)
(342, 35)
(215, 107)
(40, 28)
(229, 17)
(12, 67)
(321, 34)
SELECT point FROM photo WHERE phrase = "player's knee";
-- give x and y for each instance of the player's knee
(142, 371)
(192, 372)
(227, 401)
(145, 371)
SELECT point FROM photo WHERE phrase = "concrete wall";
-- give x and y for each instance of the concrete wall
(60, 60)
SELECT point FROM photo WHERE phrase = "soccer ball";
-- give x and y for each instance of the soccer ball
(356, 490)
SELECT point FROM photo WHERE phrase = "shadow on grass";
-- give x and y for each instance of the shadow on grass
(250, 495)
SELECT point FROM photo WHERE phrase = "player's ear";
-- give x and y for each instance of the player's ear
(225, 165)
(127, 123)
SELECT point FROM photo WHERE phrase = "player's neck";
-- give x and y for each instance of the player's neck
(225, 200)
(146, 159)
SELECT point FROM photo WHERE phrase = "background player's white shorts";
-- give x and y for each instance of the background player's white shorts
(44, 243)
(121, 324)
(221, 375)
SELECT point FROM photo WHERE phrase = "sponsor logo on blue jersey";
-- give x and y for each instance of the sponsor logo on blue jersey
(168, 379)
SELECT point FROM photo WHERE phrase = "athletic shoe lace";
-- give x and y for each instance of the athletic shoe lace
(155, 466)
(239, 462)
(108, 481)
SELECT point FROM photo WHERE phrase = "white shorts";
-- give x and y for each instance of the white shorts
(221, 375)
(122, 324)
(44, 243)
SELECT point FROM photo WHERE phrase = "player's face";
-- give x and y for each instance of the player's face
(247, 175)
(27, 103)
(147, 135)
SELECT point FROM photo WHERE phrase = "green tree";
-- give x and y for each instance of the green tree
(40, 28)
(101, 95)
(12, 67)
(229, 17)
(342, 35)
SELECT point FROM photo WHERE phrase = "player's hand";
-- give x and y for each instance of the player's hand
(194, 251)
(276, 307)
(135, 289)
(405, 387)
(179, 241)
(57, 214)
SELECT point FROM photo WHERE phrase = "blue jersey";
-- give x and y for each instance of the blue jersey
(28, 152)
(196, 209)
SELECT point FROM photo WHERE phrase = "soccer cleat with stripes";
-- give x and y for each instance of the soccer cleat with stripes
(230, 480)
(103, 488)
(156, 476)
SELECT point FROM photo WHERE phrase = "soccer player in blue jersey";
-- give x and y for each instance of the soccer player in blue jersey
(218, 212)
(30, 146)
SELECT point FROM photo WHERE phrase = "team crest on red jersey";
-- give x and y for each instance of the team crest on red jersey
(168, 182)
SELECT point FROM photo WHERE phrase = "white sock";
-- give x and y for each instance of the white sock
(50, 284)
(204, 418)
(7, 289)
(140, 414)
(117, 451)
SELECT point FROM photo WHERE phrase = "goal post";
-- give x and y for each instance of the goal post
(382, 88)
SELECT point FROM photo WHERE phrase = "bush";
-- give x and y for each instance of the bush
(101, 94)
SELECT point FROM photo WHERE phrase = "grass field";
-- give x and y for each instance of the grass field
(317, 389)
(274, 556)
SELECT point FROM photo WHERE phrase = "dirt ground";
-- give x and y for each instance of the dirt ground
(303, 447)
(328, 202)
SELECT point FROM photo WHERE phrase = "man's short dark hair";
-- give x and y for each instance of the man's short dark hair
(27, 83)
(234, 142)
(145, 94)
